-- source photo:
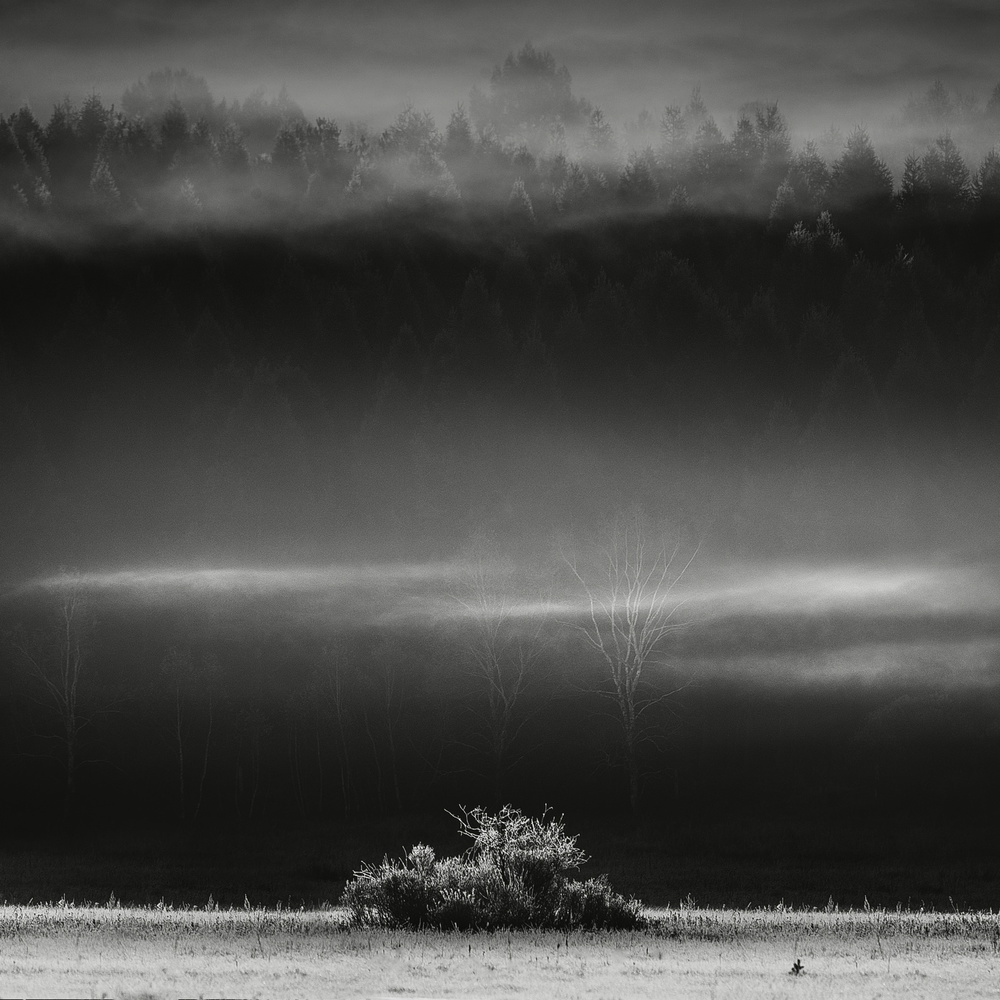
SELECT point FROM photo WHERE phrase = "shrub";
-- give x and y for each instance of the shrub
(515, 874)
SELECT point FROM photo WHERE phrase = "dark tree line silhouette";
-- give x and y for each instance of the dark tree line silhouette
(170, 152)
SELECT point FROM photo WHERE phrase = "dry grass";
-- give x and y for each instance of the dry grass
(91, 951)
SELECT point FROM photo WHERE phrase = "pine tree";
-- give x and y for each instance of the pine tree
(13, 167)
(288, 164)
(947, 176)
(986, 184)
(637, 183)
(679, 201)
(519, 207)
(744, 155)
(600, 141)
(64, 152)
(528, 94)
(783, 209)
(696, 111)
(914, 192)
(175, 133)
(674, 135)
(993, 104)
(458, 142)
(102, 184)
(860, 180)
(774, 146)
(92, 124)
(809, 177)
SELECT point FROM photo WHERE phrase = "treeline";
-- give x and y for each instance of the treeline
(169, 152)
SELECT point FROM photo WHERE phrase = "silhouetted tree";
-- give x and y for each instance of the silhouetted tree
(288, 164)
(64, 152)
(91, 125)
(935, 107)
(334, 677)
(637, 183)
(600, 139)
(986, 184)
(459, 143)
(674, 138)
(528, 94)
(14, 174)
(993, 104)
(773, 149)
(809, 177)
(191, 678)
(504, 642)
(783, 209)
(234, 159)
(860, 181)
(58, 657)
(946, 175)
(630, 612)
(914, 193)
(133, 157)
(175, 133)
(163, 90)
(103, 187)
(519, 207)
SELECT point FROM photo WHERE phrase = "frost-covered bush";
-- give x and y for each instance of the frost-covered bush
(515, 874)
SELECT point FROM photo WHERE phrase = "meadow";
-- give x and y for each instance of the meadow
(158, 952)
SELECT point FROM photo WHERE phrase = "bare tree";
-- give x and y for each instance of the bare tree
(57, 657)
(503, 637)
(630, 611)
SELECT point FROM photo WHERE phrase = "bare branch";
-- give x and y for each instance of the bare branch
(628, 619)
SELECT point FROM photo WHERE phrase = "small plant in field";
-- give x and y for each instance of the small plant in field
(797, 969)
(515, 874)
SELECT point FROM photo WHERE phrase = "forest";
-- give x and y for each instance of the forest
(456, 364)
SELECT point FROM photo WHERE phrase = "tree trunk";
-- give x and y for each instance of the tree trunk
(498, 782)
(633, 782)
(378, 764)
(395, 770)
(629, 725)
(345, 766)
(69, 801)
(204, 765)
(297, 771)
(180, 757)
(319, 770)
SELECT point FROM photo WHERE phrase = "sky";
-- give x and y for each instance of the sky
(824, 61)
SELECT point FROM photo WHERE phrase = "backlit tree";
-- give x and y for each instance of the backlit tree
(631, 610)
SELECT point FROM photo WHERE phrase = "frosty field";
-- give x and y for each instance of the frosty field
(83, 951)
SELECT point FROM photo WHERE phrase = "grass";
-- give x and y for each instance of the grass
(154, 952)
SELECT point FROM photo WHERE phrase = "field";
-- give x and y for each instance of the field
(115, 951)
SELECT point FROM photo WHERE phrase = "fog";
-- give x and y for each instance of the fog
(825, 62)
(934, 623)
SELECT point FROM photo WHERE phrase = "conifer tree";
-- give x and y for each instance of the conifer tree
(860, 179)
(914, 193)
(947, 177)
(986, 184)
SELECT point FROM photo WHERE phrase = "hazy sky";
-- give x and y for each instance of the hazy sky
(820, 59)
